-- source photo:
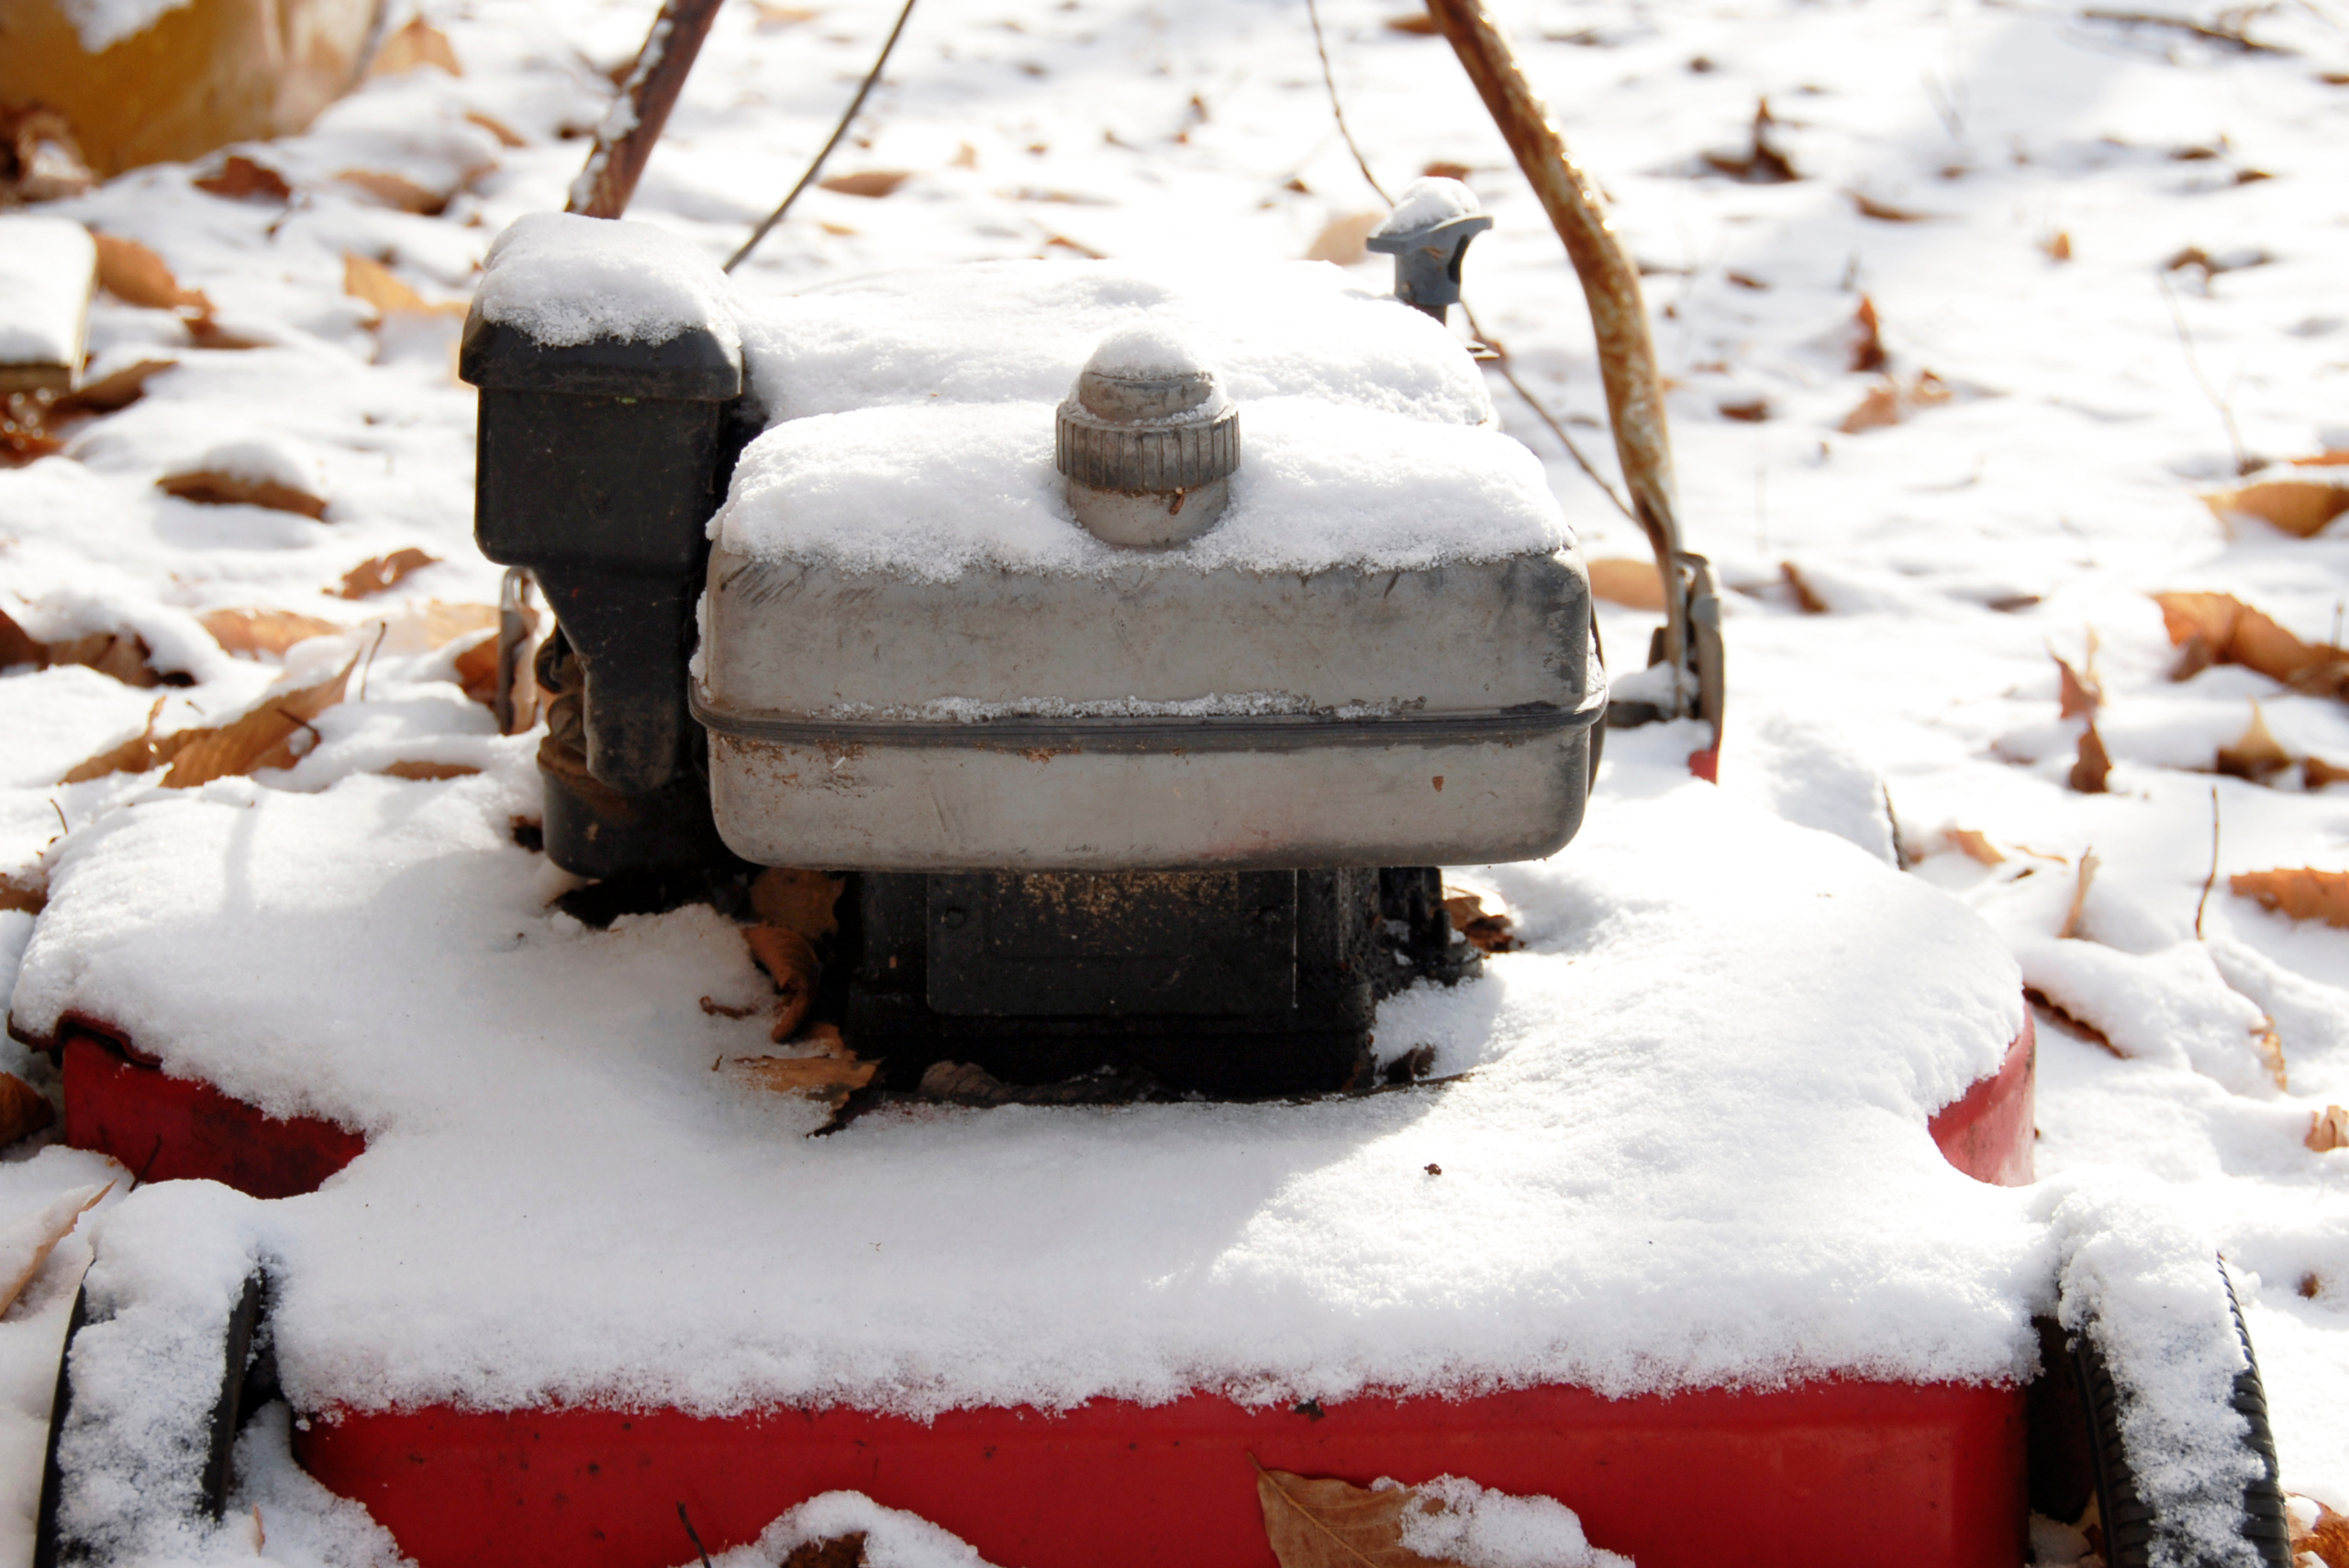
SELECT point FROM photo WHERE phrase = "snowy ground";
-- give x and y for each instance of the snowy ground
(2094, 399)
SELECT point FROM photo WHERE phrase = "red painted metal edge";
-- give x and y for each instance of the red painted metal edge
(1988, 1132)
(165, 1127)
(1821, 1476)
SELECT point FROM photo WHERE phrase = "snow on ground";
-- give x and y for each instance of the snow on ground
(2089, 400)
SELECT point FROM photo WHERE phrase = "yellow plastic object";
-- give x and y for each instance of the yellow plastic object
(198, 76)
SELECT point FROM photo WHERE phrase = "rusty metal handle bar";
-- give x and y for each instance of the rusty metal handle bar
(1619, 317)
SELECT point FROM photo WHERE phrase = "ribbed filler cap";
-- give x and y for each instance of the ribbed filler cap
(1148, 413)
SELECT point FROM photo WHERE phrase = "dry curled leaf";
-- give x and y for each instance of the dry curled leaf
(18, 646)
(2218, 628)
(2093, 765)
(2328, 1129)
(2256, 755)
(801, 901)
(828, 1079)
(1867, 342)
(121, 655)
(27, 896)
(373, 284)
(263, 633)
(2268, 1046)
(1761, 163)
(1892, 400)
(2301, 893)
(240, 177)
(870, 182)
(418, 43)
(2316, 772)
(507, 136)
(1885, 212)
(24, 1110)
(791, 961)
(379, 573)
(1344, 240)
(837, 1552)
(1975, 845)
(210, 487)
(2058, 246)
(1417, 24)
(136, 275)
(141, 752)
(2326, 1536)
(428, 772)
(115, 391)
(1490, 933)
(2084, 879)
(396, 192)
(2077, 696)
(2300, 507)
(1635, 584)
(26, 1245)
(1806, 596)
(260, 738)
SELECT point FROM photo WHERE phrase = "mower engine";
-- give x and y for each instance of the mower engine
(1139, 721)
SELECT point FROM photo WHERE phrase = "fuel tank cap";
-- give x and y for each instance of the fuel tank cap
(1147, 439)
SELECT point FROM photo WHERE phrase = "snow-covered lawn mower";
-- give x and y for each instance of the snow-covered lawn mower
(1065, 679)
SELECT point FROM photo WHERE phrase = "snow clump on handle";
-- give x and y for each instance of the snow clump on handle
(1426, 203)
(1482, 1529)
(567, 280)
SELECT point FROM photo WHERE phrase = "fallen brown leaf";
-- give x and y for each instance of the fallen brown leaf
(1419, 23)
(507, 136)
(1762, 163)
(18, 646)
(123, 655)
(141, 752)
(418, 43)
(210, 487)
(2328, 1539)
(872, 182)
(1752, 411)
(28, 898)
(45, 1230)
(1440, 169)
(1341, 240)
(261, 738)
(24, 1110)
(396, 192)
(2058, 246)
(2076, 698)
(259, 633)
(1891, 400)
(1885, 212)
(829, 1079)
(2300, 507)
(714, 1008)
(1635, 584)
(428, 772)
(1490, 933)
(791, 961)
(2082, 880)
(2218, 628)
(2256, 755)
(1867, 345)
(136, 275)
(112, 392)
(371, 282)
(840, 1551)
(2268, 1046)
(2316, 772)
(2093, 766)
(381, 573)
(1323, 1523)
(2301, 893)
(1806, 596)
(2328, 1129)
(801, 901)
(240, 177)
(1975, 845)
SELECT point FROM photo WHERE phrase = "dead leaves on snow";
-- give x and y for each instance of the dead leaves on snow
(2328, 1129)
(261, 738)
(1894, 399)
(376, 285)
(2218, 628)
(871, 184)
(240, 178)
(1490, 932)
(213, 487)
(24, 1110)
(1334, 1524)
(379, 574)
(2301, 894)
(2299, 504)
(417, 44)
(264, 633)
(121, 655)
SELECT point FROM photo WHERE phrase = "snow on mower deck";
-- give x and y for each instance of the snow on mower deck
(1669, 1214)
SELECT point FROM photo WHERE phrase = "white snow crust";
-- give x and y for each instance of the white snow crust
(1426, 202)
(567, 280)
(1479, 1528)
(47, 266)
(1720, 1174)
